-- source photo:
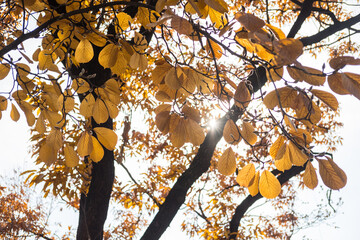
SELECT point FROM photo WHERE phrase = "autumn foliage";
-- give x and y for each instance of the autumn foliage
(136, 84)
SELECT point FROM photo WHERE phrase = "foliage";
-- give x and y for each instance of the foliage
(177, 65)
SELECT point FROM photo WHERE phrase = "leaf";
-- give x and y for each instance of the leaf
(242, 95)
(80, 85)
(247, 133)
(14, 114)
(71, 158)
(340, 62)
(4, 70)
(336, 84)
(213, 49)
(298, 157)
(100, 112)
(277, 31)
(40, 124)
(332, 176)
(181, 25)
(84, 146)
(195, 133)
(84, 51)
(87, 105)
(174, 78)
(269, 185)
(177, 129)
(286, 95)
(123, 20)
(351, 83)
(327, 98)
(231, 132)
(106, 137)
(108, 55)
(23, 69)
(218, 5)
(246, 175)
(310, 178)
(138, 61)
(3, 103)
(249, 21)
(98, 152)
(47, 154)
(275, 74)
(310, 75)
(276, 146)
(55, 139)
(254, 187)
(191, 113)
(227, 163)
(46, 59)
(283, 160)
(67, 105)
(287, 51)
(162, 121)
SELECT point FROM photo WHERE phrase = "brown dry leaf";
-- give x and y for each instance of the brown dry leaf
(231, 132)
(269, 185)
(4, 70)
(191, 113)
(194, 132)
(336, 84)
(327, 98)
(310, 75)
(218, 5)
(287, 51)
(174, 78)
(14, 113)
(249, 21)
(301, 136)
(254, 187)
(162, 121)
(181, 25)
(227, 163)
(351, 83)
(332, 176)
(246, 175)
(3, 103)
(247, 132)
(340, 62)
(310, 178)
(274, 74)
(242, 95)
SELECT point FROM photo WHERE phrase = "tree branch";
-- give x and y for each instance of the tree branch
(199, 165)
(250, 200)
(305, 12)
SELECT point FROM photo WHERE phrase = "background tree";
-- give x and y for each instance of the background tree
(201, 59)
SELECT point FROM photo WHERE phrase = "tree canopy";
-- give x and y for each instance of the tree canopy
(205, 105)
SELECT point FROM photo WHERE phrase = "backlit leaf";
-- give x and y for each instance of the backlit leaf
(3, 103)
(327, 98)
(250, 21)
(242, 95)
(181, 25)
(227, 163)
(84, 146)
(174, 78)
(247, 132)
(106, 137)
(123, 20)
(298, 157)
(286, 95)
(47, 154)
(191, 113)
(287, 51)
(336, 84)
(341, 61)
(246, 175)
(138, 61)
(14, 114)
(351, 83)
(46, 59)
(84, 51)
(310, 178)
(177, 129)
(269, 185)
(332, 176)
(276, 146)
(87, 105)
(80, 85)
(162, 121)
(218, 5)
(231, 132)
(108, 55)
(195, 133)
(55, 139)
(71, 158)
(98, 152)
(4, 70)
(283, 162)
(100, 112)
(254, 187)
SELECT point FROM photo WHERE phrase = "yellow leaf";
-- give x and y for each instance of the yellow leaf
(177, 126)
(123, 21)
(145, 16)
(336, 84)
(106, 137)
(195, 133)
(298, 157)
(310, 177)
(27, 108)
(332, 176)
(181, 25)
(311, 112)
(162, 121)
(47, 154)
(276, 146)
(254, 187)
(269, 185)
(219, 20)
(313, 76)
(246, 175)
(327, 98)
(46, 59)
(100, 112)
(71, 158)
(96, 38)
(231, 132)
(159, 73)
(98, 152)
(4, 70)
(250, 21)
(121, 64)
(283, 162)
(84, 146)
(290, 123)
(108, 55)
(14, 114)
(66, 105)
(112, 109)
(3, 103)
(160, 4)
(277, 31)
(87, 105)
(191, 113)
(218, 5)
(84, 51)
(23, 69)
(227, 163)
(80, 85)
(247, 133)
(40, 124)
(286, 95)
(55, 139)
(301, 135)
(213, 49)
(242, 95)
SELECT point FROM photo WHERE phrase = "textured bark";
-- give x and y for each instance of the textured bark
(199, 165)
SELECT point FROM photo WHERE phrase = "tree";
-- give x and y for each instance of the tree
(199, 59)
